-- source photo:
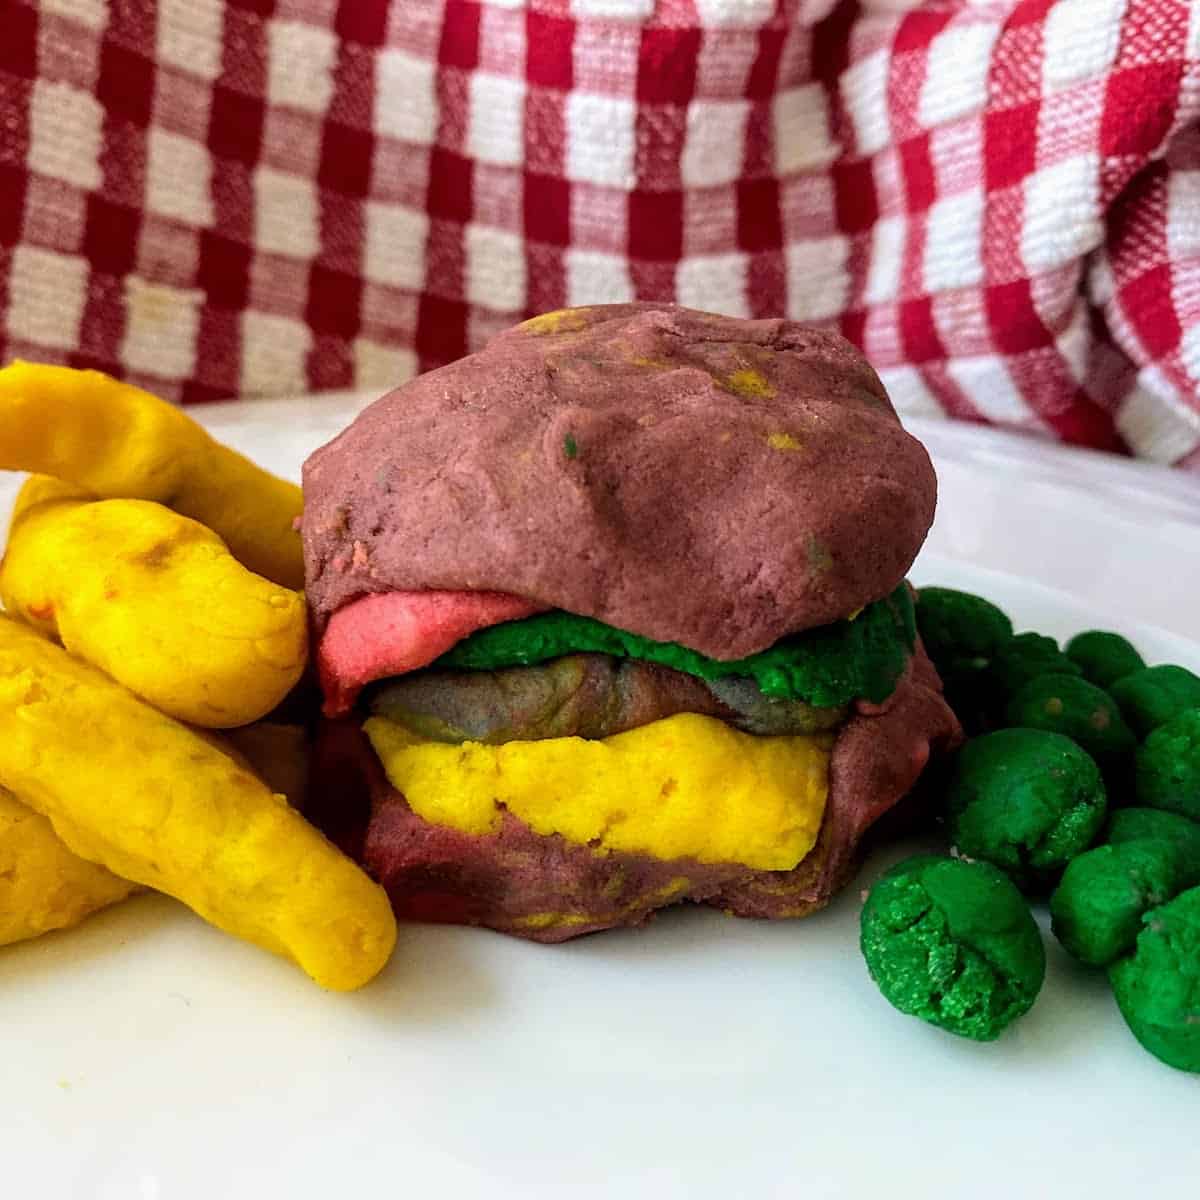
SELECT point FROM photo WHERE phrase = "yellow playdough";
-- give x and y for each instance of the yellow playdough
(561, 320)
(565, 920)
(116, 441)
(43, 886)
(156, 803)
(784, 441)
(749, 382)
(686, 786)
(156, 601)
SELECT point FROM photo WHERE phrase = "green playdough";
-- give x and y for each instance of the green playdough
(1097, 908)
(1075, 708)
(1167, 766)
(1104, 657)
(1151, 697)
(953, 943)
(961, 633)
(1023, 658)
(825, 667)
(1158, 987)
(960, 629)
(1135, 824)
(1025, 800)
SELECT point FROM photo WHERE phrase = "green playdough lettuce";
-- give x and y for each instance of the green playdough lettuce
(832, 665)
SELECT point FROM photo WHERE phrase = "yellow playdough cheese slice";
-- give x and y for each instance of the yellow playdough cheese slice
(687, 786)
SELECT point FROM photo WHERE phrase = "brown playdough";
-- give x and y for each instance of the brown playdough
(687, 477)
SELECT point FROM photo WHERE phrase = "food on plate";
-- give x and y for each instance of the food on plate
(607, 617)
(1167, 766)
(1026, 801)
(158, 804)
(43, 489)
(1023, 658)
(43, 886)
(1153, 696)
(120, 443)
(961, 631)
(1030, 798)
(1065, 704)
(620, 602)
(1097, 908)
(1158, 986)
(156, 601)
(983, 677)
(954, 943)
(1133, 824)
(1104, 657)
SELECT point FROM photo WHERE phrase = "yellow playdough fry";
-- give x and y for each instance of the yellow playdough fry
(43, 886)
(118, 442)
(38, 489)
(127, 787)
(156, 601)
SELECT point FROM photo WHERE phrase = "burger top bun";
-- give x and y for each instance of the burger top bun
(688, 477)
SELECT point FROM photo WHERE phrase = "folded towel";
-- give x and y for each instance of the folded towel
(999, 200)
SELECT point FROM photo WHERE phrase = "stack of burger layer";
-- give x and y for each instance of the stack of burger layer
(612, 615)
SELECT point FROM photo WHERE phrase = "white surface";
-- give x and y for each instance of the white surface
(146, 1056)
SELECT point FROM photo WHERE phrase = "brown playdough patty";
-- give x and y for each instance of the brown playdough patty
(687, 477)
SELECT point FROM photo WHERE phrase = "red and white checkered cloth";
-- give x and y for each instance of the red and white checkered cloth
(999, 200)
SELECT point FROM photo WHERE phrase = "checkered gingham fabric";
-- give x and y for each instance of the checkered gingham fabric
(999, 200)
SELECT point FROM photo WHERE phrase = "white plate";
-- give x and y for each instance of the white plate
(147, 1056)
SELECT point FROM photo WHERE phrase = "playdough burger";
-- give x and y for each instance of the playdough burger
(612, 615)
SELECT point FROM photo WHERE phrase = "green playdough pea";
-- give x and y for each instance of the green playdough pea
(1167, 766)
(953, 943)
(1026, 800)
(1182, 835)
(961, 632)
(1151, 697)
(1075, 708)
(1104, 657)
(958, 626)
(1158, 987)
(1097, 908)
(1025, 657)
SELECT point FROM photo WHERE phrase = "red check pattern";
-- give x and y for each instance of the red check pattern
(999, 200)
